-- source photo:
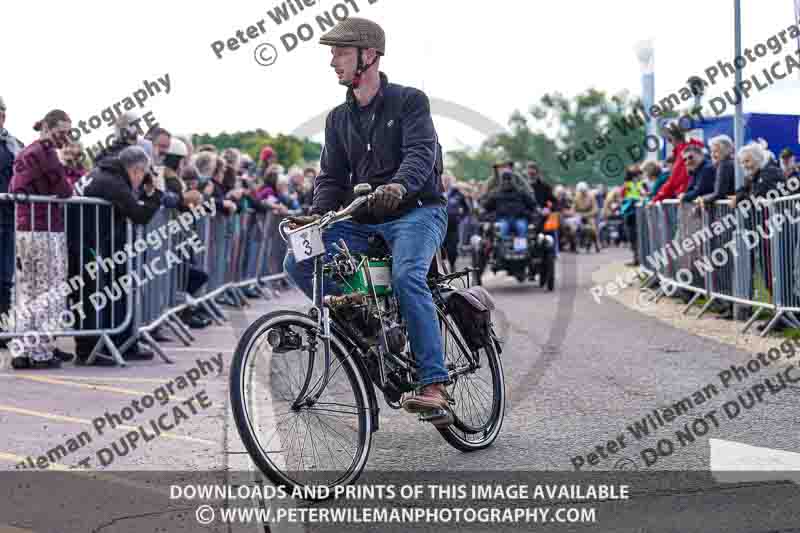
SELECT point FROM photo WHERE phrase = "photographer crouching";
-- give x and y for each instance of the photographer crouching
(125, 180)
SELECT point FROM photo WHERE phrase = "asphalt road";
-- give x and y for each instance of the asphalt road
(577, 374)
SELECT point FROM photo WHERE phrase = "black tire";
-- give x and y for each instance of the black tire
(548, 276)
(468, 434)
(477, 264)
(241, 383)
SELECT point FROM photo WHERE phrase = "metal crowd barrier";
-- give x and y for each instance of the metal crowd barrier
(52, 263)
(719, 281)
(159, 301)
(241, 251)
(661, 229)
(643, 240)
(236, 248)
(682, 223)
(783, 258)
(732, 250)
(722, 277)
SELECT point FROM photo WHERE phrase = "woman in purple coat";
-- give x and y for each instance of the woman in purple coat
(41, 244)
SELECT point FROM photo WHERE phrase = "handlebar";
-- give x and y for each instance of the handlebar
(344, 214)
(331, 217)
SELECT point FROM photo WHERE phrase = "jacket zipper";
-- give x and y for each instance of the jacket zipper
(355, 119)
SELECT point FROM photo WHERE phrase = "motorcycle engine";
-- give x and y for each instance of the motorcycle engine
(396, 382)
(392, 324)
(395, 337)
(372, 319)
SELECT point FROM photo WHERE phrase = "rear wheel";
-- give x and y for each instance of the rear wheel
(479, 395)
(322, 442)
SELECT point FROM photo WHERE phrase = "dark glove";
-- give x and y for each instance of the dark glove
(387, 198)
(301, 220)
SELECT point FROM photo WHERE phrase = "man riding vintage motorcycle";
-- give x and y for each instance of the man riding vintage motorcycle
(511, 205)
(513, 208)
(585, 207)
(383, 135)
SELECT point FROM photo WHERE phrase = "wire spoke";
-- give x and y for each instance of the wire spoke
(324, 437)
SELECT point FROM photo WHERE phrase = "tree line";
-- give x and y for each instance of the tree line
(556, 126)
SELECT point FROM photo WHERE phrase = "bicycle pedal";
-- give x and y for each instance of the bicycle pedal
(437, 417)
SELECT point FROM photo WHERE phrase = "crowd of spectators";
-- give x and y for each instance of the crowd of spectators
(698, 174)
(694, 173)
(139, 175)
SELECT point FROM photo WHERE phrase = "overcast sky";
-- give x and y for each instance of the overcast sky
(492, 57)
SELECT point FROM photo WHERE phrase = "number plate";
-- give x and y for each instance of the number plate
(520, 244)
(306, 243)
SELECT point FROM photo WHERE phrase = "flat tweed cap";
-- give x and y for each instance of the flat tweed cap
(358, 32)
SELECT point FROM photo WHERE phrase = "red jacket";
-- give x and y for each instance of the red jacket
(38, 171)
(678, 182)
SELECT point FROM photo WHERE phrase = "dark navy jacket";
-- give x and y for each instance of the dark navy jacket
(109, 181)
(701, 181)
(725, 183)
(6, 172)
(457, 206)
(401, 146)
(510, 203)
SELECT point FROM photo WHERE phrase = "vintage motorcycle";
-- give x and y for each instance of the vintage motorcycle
(585, 235)
(612, 231)
(529, 257)
(302, 382)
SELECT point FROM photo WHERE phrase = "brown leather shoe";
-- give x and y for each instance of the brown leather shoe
(432, 396)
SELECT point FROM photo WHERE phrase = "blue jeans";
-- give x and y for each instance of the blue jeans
(414, 239)
(520, 227)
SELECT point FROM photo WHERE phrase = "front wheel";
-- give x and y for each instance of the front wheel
(479, 395)
(548, 275)
(316, 441)
(586, 240)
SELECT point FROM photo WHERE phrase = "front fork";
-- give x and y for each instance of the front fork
(321, 314)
